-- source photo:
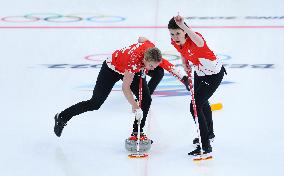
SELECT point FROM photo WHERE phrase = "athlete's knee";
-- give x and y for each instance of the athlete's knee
(199, 102)
(94, 105)
(147, 100)
(196, 107)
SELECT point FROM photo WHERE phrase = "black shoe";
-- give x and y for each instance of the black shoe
(135, 133)
(142, 136)
(59, 125)
(197, 151)
(211, 139)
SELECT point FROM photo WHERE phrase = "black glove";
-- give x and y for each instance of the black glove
(184, 80)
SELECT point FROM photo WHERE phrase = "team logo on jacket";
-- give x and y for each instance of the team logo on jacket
(189, 52)
(134, 67)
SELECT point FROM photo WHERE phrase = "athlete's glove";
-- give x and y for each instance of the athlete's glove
(138, 114)
(184, 80)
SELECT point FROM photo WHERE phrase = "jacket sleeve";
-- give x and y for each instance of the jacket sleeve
(165, 64)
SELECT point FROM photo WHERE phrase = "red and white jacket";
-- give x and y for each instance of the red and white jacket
(131, 59)
(203, 59)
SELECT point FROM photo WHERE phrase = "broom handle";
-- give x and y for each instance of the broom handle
(194, 107)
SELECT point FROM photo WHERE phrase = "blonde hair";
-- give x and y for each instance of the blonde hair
(153, 55)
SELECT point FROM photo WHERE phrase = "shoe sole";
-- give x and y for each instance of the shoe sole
(203, 156)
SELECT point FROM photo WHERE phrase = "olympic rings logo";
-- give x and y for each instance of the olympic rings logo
(58, 18)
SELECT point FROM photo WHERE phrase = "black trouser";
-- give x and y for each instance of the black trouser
(156, 76)
(105, 82)
(204, 87)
